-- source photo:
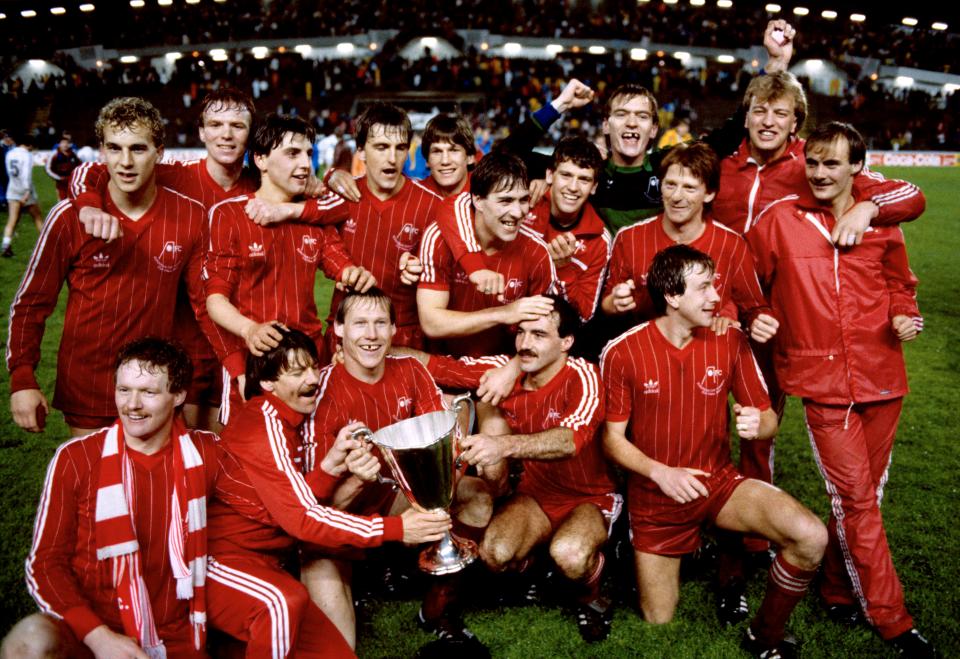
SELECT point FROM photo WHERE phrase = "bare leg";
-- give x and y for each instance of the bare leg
(35, 636)
(328, 582)
(575, 547)
(514, 531)
(658, 578)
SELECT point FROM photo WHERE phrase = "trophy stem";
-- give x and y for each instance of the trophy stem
(448, 555)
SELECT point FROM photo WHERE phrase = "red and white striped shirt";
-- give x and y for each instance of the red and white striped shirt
(378, 232)
(581, 278)
(734, 276)
(676, 398)
(268, 272)
(524, 263)
(63, 573)
(572, 399)
(119, 291)
(264, 502)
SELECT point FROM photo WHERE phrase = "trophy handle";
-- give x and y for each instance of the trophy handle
(458, 404)
(365, 435)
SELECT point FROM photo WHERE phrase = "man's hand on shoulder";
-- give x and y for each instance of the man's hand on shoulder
(265, 213)
(850, 227)
(100, 224)
(341, 183)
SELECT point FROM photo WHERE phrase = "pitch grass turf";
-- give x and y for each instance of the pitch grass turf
(920, 499)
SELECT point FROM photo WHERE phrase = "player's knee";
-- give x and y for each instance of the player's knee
(496, 554)
(571, 555)
(809, 539)
(657, 611)
(478, 509)
(34, 636)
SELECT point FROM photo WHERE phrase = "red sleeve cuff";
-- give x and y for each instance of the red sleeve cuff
(392, 529)
(471, 262)
(617, 418)
(434, 285)
(22, 378)
(236, 363)
(214, 286)
(82, 620)
(88, 199)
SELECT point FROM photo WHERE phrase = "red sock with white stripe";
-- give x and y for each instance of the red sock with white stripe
(591, 587)
(786, 586)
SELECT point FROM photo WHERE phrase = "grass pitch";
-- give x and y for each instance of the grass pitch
(920, 503)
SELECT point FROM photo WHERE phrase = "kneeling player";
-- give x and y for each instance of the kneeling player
(566, 495)
(669, 380)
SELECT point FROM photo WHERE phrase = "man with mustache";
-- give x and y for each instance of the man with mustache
(550, 422)
(259, 275)
(269, 502)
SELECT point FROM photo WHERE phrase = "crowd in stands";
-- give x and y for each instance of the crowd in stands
(124, 27)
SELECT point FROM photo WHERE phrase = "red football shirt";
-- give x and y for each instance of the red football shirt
(734, 277)
(119, 291)
(267, 272)
(378, 232)
(526, 268)
(676, 398)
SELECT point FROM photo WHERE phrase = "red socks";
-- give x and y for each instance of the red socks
(786, 586)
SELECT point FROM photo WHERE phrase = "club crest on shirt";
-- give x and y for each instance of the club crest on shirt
(404, 407)
(170, 256)
(406, 239)
(101, 260)
(580, 247)
(350, 226)
(553, 416)
(651, 387)
(256, 250)
(711, 383)
(308, 249)
(513, 289)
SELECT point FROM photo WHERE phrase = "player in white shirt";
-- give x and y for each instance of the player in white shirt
(20, 191)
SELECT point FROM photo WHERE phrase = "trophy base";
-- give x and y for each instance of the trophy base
(448, 555)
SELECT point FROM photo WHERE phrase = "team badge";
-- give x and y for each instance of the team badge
(711, 383)
(404, 407)
(553, 416)
(406, 240)
(513, 289)
(170, 257)
(308, 249)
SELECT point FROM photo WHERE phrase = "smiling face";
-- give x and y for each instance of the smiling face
(500, 214)
(696, 305)
(384, 154)
(830, 172)
(144, 403)
(366, 335)
(297, 384)
(770, 124)
(286, 169)
(224, 132)
(448, 166)
(131, 156)
(570, 187)
(684, 196)
(630, 126)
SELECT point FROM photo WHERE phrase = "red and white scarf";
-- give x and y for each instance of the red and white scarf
(186, 540)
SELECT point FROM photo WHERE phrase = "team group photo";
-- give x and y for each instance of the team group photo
(505, 329)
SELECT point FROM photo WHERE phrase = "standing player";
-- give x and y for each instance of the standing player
(119, 291)
(61, 164)
(668, 380)
(490, 217)
(257, 276)
(550, 422)
(104, 569)
(267, 504)
(843, 314)
(690, 179)
(377, 389)
(385, 226)
(226, 118)
(21, 195)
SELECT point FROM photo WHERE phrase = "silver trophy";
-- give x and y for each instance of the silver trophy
(421, 453)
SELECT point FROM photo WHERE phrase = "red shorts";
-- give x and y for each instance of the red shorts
(207, 384)
(88, 422)
(557, 510)
(673, 529)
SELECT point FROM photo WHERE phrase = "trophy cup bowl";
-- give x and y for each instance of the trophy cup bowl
(421, 453)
